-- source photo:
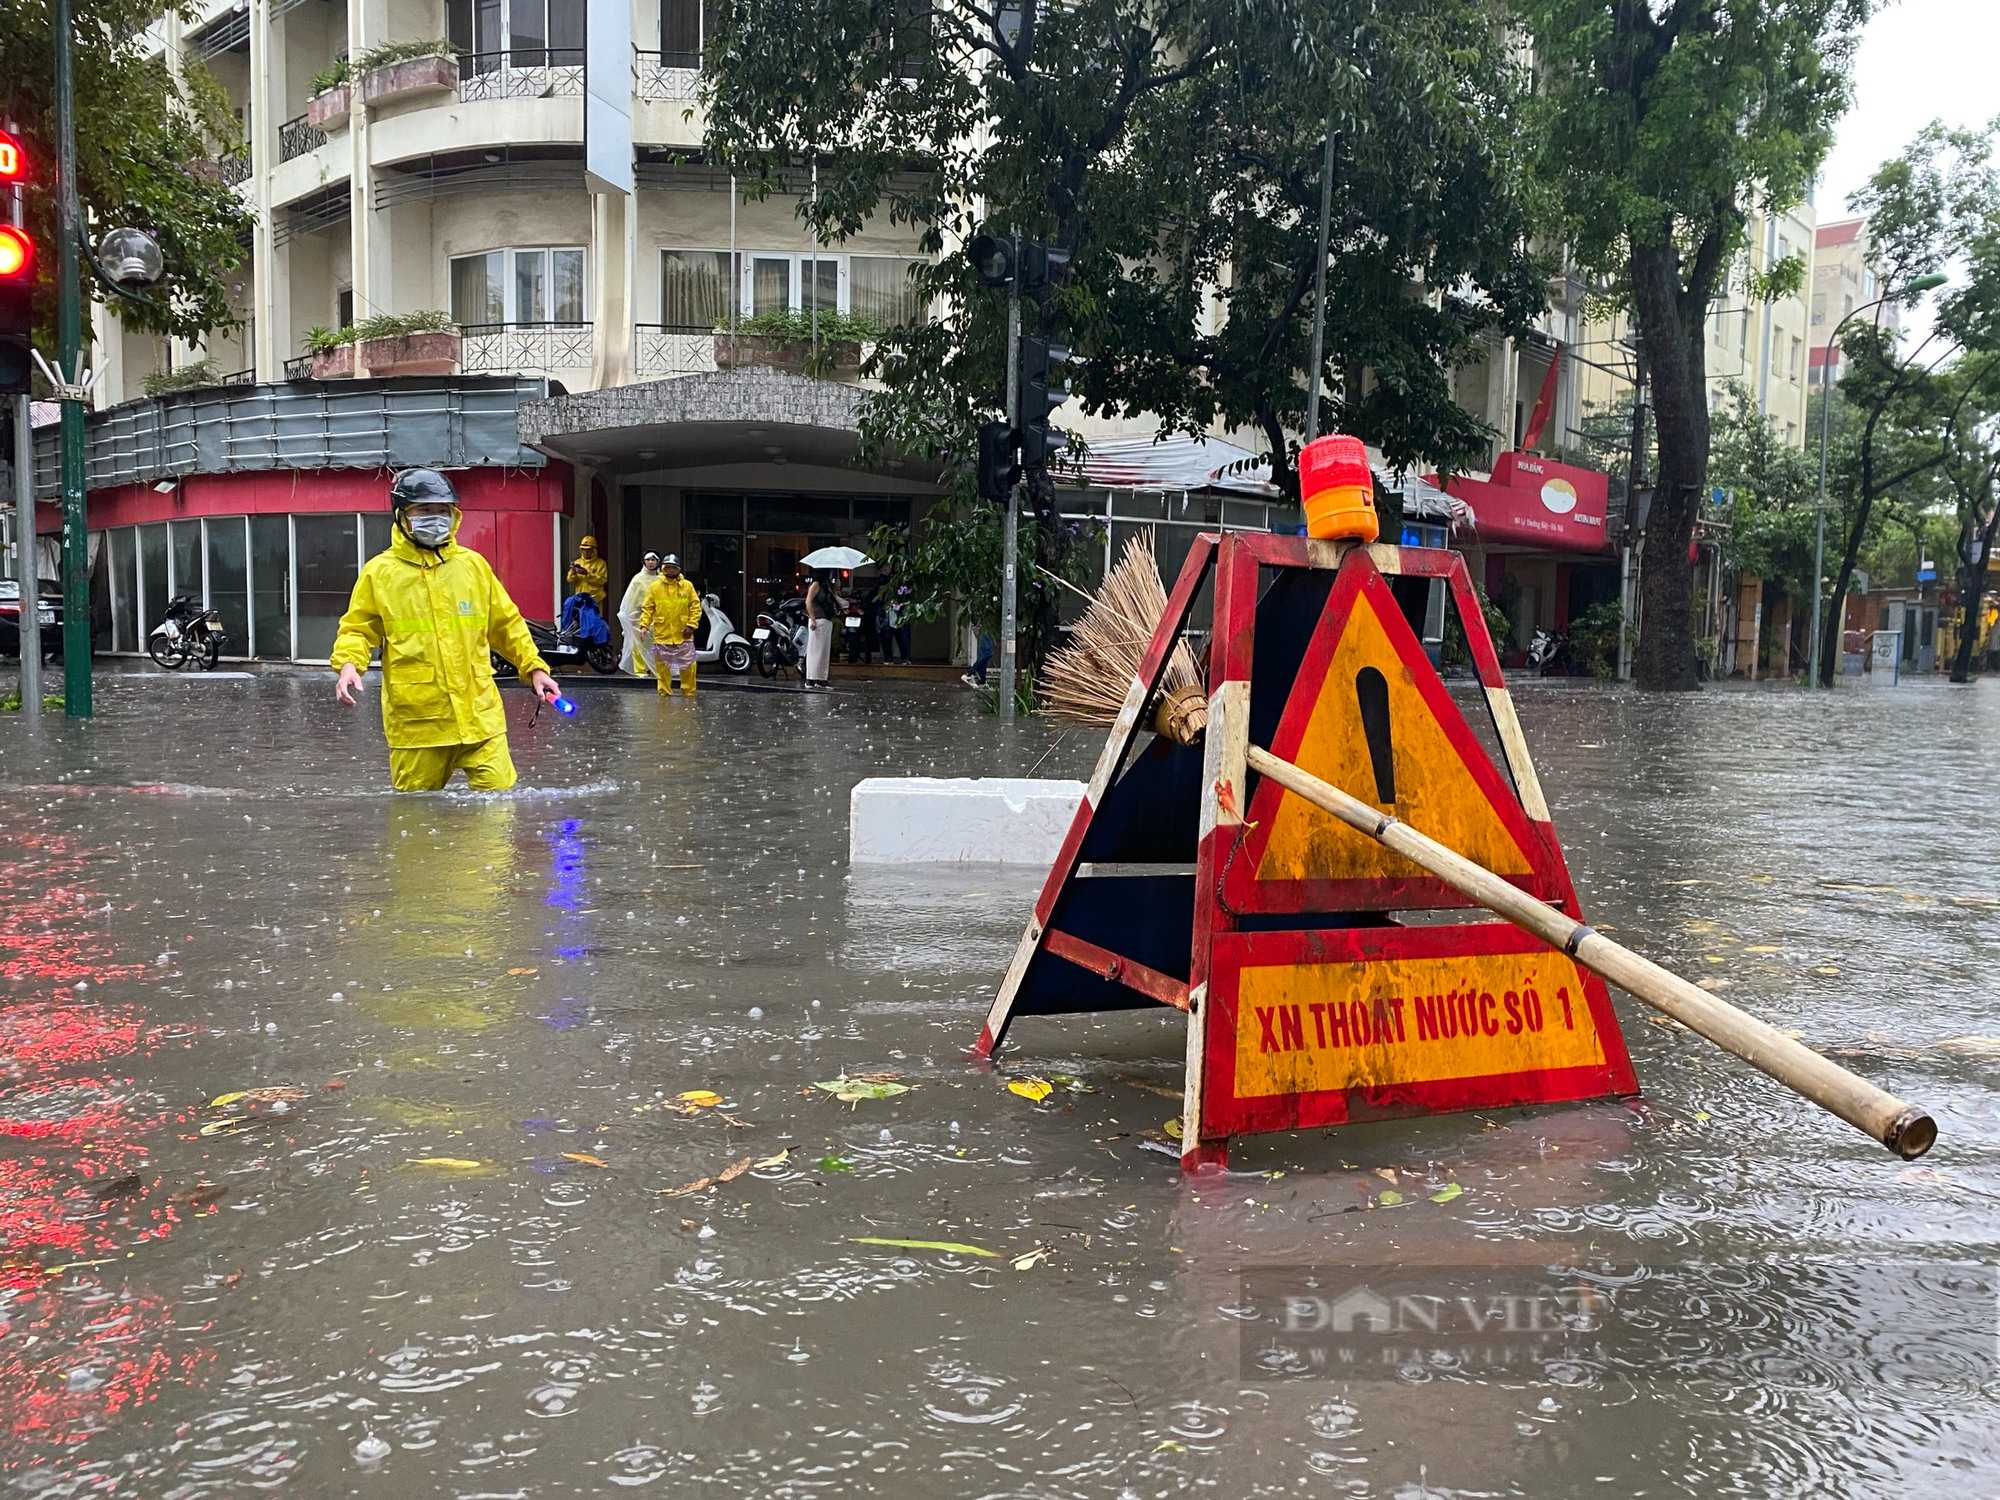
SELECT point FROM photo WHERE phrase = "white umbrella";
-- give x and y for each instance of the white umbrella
(848, 558)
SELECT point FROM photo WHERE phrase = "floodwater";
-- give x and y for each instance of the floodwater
(443, 1265)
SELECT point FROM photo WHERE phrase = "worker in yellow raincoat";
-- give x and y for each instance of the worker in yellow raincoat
(436, 613)
(671, 616)
(591, 574)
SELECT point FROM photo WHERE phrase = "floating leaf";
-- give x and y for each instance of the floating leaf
(833, 1163)
(1032, 1259)
(1036, 1089)
(700, 1098)
(523, 971)
(227, 1125)
(852, 1090)
(1168, 1445)
(587, 1159)
(1173, 1127)
(448, 1163)
(772, 1161)
(950, 1247)
(1827, 969)
(1701, 1116)
(1976, 1046)
(1389, 1196)
(728, 1174)
(1073, 1084)
(1446, 1193)
(202, 1193)
(221, 1099)
(1765, 948)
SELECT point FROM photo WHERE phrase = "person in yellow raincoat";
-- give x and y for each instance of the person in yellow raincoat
(436, 613)
(670, 616)
(591, 574)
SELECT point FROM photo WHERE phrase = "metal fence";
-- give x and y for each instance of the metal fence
(663, 350)
(297, 138)
(544, 73)
(673, 77)
(524, 348)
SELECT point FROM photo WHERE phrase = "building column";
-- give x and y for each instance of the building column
(360, 181)
(267, 345)
(612, 229)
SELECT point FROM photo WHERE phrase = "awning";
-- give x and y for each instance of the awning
(1174, 462)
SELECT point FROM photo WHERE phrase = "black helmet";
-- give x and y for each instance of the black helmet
(420, 487)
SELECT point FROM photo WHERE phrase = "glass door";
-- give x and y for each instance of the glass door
(325, 553)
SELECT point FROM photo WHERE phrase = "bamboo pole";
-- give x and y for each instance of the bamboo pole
(1903, 1128)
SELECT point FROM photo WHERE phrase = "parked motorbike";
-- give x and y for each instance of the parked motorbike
(717, 640)
(587, 641)
(189, 635)
(780, 637)
(1550, 655)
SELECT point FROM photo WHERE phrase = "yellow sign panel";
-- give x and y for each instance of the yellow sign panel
(1306, 1028)
(1435, 791)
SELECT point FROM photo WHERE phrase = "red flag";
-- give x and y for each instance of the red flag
(1545, 405)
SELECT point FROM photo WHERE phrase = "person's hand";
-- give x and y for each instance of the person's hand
(544, 686)
(348, 685)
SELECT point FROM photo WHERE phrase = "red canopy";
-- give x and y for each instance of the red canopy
(1538, 501)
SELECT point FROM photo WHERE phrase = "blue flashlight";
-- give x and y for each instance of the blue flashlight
(563, 705)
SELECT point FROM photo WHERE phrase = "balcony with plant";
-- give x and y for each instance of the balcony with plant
(331, 102)
(425, 342)
(829, 348)
(403, 72)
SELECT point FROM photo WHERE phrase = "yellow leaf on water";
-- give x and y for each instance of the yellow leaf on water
(448, 1163)
(1827, 969)
(1173, 1127)
(1389, 1195)
(524, 971)
(587, 1159)
(1032, 1258)
(1701, 1117)
(221, 1099)
(705, 1098)
(1036, 1089)
(1168, 1445)
(1765, 948)
(950, 1246)
(772, 1161)
(1446, 1193)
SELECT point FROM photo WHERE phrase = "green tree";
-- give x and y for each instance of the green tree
(144, 138)
(1658, 125)
(1771, 485)
(1934, 207)
(1177, 150)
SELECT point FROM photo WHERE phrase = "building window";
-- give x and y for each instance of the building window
(1798, 355)
(682, 31)
(1818, 308)
(695, 287)
(879, 287)
(873, 286)
(490, 34)
(535, 286)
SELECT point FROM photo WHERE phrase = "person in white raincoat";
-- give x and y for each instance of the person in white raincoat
(638, 657)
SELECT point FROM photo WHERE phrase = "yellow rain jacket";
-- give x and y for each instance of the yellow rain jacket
(434, 616)
(671, 612)
(590, 574)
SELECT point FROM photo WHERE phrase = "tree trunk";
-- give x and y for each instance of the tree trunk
(1674, 354)
(1972, 599)
(1832, 635)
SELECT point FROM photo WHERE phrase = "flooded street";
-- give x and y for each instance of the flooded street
(435, 1258)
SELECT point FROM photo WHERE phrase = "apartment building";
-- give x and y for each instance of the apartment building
(1843, 280)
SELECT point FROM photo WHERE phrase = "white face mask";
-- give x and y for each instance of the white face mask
(429, 531)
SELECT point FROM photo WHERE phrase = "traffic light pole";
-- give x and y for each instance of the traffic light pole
(27, 564)
(69, 345)
(1011, 532)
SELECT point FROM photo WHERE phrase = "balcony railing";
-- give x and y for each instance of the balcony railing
(525, 348)
(661, 351)
(299, 367)
(672, 77)
(297, 138)
(234, 169)
(522, 73)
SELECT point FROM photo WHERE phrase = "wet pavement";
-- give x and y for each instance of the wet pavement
(434, 1258)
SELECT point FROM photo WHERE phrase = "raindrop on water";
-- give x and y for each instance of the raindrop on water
(371, 1450)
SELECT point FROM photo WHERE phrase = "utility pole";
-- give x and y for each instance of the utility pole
(1319, 290)
(69, 349)
(1011, 531)
(1635, 520)
(27, 561)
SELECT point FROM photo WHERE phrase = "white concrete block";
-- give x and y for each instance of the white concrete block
(970, 820)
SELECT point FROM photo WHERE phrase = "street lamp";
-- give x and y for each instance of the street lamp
(1915, 284)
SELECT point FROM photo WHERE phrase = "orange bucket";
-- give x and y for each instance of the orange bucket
(1338, 490)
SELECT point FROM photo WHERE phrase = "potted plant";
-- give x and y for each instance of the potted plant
(190, 377)
(784, 341)
(403, 70)
(416, 343)
(328, 107)
(332, 351)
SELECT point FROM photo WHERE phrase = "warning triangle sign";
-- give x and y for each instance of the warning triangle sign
(1369, 714)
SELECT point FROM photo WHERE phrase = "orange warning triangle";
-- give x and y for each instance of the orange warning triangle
(1369, 714)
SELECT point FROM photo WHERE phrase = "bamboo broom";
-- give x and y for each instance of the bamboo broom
(1086, 681)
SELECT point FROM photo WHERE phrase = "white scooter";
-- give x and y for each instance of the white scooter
(718, 638)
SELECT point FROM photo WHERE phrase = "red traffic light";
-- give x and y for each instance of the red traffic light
(17, 254)
(13, 160)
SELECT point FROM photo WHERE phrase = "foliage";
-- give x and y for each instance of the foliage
(1771, 486)
(401, 325)
(1455, 651)
(189, 377)
(1933, 210)
(1593, 639)
(139, 130)
(390, 53)
(1656, 129)
(321, 340)
(334, 75)
(796, 327)
(1177, 151)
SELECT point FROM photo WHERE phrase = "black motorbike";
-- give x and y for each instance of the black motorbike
(188, 636)
(588, 642)
(780, 637)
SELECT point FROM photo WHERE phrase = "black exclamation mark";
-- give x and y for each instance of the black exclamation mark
(1371, 690)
